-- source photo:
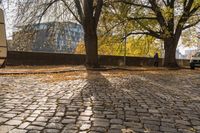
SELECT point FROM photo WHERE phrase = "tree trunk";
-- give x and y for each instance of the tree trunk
(170, 46)
(91, 46)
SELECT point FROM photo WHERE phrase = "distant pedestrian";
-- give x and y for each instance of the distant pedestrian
(156, 60)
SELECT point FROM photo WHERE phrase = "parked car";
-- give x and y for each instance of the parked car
(195, 60)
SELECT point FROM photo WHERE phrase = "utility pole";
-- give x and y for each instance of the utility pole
(125, 41)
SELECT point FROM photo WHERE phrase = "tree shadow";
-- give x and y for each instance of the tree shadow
(107, 103)
(99, 103)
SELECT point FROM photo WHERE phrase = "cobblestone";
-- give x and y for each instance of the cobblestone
(18, 131)
(24, 125)
(13, 122)
(101, 102)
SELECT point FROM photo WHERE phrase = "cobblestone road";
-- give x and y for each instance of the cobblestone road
(101, 102)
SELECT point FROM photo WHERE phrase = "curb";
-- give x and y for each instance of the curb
(42, 71)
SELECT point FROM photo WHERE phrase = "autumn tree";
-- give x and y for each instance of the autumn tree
(140, 46)
(190, 38)
(115, 29)
(169, 18)
(86, 12)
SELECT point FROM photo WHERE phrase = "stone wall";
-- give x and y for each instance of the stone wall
(35, 58)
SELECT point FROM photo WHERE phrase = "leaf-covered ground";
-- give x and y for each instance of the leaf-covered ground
(134, 100)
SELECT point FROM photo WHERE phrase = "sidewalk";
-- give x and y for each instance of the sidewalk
(132, 100)
(63, 69)
(40, 69)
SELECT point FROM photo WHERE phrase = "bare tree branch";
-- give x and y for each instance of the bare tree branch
(137, 33)
(133, 4)
(164, 2)
(191, 25)
(98, 11)
(142, 18)
(158, 13)
(72, 12)
(80, 10)
(150, 31)
(45, 10)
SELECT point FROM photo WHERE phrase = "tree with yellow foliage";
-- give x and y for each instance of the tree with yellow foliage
(145, 46)
(162, 19)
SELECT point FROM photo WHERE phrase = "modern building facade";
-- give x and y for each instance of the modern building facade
(48, 37)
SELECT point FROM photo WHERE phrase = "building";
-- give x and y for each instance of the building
(179, 55)
(189, 53)
(48, 37)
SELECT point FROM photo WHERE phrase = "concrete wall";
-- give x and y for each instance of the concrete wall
(34, 58)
